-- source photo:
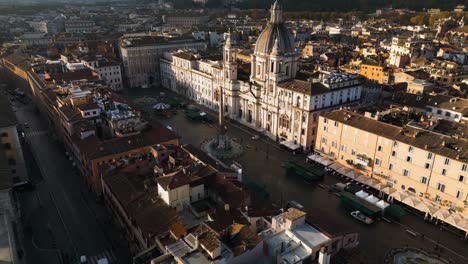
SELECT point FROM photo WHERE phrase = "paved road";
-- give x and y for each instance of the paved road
(261, 163)
(64, 218)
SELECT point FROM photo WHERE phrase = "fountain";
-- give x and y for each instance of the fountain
(221, 146)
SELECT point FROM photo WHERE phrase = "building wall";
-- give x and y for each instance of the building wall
(373, 72)
(141, 63)
(11, 145)
(395, 163)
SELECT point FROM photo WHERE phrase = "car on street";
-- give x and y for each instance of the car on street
(24, 186)
(361, 217)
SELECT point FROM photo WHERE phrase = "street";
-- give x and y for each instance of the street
(261, 163)
(61, 217)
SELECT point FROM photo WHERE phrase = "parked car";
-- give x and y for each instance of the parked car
(361, 217)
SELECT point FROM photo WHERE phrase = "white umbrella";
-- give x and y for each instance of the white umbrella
(427, 208)
(372, 199)
(398, 195)
(362, 194)
(382, 204)
(442, 214)
(161, 106)
(411, 201)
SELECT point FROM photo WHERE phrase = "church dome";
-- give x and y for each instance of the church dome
(275, 34)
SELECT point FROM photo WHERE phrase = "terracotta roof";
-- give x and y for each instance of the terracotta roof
(93, 148)
(83, 74)
(178, 229)
(88, 106)
(174, 180)
(367, 124)
(185, 56)
(308, 88)
(70, 112)
(140, 203)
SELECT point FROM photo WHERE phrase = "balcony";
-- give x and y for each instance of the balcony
(363, 160)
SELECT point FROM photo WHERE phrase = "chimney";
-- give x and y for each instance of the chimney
(226, 207)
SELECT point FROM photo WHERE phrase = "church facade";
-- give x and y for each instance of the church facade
(271, 100)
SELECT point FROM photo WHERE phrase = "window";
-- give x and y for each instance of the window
(395, 144)
(379, 148)
(441, 187)
(335, 124)
(324, 128)
(447, 161)
(427, 166)
(324, 140)
(443, 172)
(461, 178)
(408, 159)
(343, 147)
(410, 149)
(423, 180)
(377, 161)
(390, 166)
(464, 167)
(459, 194)
(405, 172)
(437, 198)
(393, 153)
(429, 155)
(333, 144)
(353, 152)
(325, 120)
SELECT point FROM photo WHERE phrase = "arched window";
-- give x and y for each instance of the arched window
(284, 121)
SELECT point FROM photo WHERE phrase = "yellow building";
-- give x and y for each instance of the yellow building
(17, 64)
(430, 165)
(374, 71)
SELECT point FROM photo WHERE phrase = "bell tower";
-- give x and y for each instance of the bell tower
(230, 59)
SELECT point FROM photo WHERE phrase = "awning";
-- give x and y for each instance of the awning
(378, 186)
(399, 195)
(426, 208)
(352, 174)
(290, 145)
(372, 199)
(319, 159)
(372, 182)
(335, 166)
(442, 214)
(362, 194)
(412, 201)
(343, 170)
(382, 204)
(362, 179)
(389, 190)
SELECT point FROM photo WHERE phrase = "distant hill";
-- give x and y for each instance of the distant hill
(354, 5)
